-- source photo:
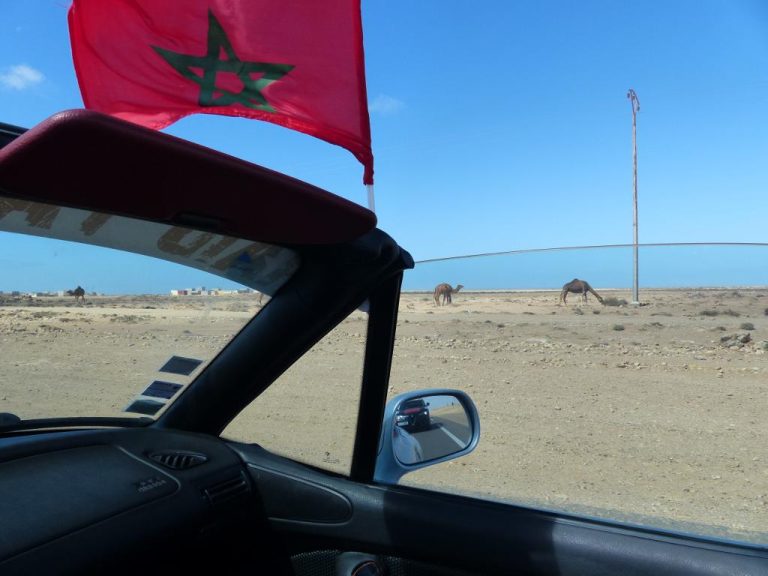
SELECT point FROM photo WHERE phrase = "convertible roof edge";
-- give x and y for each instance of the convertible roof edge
(92, 161)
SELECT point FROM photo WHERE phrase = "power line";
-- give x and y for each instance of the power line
(564, 248)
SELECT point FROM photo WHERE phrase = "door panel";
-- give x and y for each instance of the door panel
(418, 531)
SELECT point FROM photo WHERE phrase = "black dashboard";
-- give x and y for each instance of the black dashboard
(122, 501)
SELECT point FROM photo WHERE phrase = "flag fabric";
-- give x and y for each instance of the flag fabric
(296, 63)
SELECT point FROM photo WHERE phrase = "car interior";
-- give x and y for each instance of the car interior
(171, 495)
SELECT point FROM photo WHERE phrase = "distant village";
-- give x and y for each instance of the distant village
(198, 291)
(203, 291)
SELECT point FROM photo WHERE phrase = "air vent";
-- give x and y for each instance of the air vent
(177, 460)
(226, 489)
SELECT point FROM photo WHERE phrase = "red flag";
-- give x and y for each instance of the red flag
(296, 63)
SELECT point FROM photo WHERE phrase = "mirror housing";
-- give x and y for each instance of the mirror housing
(425, 427)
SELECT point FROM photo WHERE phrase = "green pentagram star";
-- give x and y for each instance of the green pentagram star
(210, 64)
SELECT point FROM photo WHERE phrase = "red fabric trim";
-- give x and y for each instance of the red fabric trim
(88, 160)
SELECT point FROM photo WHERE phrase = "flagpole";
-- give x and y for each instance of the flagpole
(635, 103)
(371, 202)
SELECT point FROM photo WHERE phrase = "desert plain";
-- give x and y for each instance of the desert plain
(652, 414)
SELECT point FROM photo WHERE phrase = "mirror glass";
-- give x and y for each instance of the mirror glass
(430, 427)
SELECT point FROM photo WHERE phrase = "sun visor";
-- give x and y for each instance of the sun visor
(90, 161)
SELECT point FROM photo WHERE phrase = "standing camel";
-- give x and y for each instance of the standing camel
(578, 287)
(78, 293)
(445, 290)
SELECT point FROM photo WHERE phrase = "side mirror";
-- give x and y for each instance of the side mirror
(423, 428)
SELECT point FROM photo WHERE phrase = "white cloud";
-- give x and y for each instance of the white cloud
(386, 105)
(20, 77)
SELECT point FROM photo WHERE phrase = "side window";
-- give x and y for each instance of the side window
(310, 413)
(89, 331)
(652, 413)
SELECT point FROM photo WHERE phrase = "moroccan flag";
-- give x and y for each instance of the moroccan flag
(296, 63)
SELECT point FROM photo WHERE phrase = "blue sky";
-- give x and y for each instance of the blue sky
(680, 266)
(505, 125)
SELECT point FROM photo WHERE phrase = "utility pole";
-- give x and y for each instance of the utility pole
(635, 109)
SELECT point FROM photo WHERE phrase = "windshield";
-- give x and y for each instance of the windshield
(412, 404)
(94, 331)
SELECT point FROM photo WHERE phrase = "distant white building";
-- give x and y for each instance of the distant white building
(202, 291)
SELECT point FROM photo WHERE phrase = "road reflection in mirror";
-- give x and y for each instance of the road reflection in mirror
(430, 427)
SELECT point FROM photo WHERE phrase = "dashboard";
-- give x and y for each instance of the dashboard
(118, 501)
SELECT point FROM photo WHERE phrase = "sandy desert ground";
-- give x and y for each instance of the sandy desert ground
(652, 414)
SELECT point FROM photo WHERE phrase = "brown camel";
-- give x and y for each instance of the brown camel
(78, 293)
(445, 290)
(578, 287)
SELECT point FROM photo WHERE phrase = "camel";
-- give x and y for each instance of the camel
(78, 293)
(578, 287)
(445, 290)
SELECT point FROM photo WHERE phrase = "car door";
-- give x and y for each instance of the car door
(321, 518)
